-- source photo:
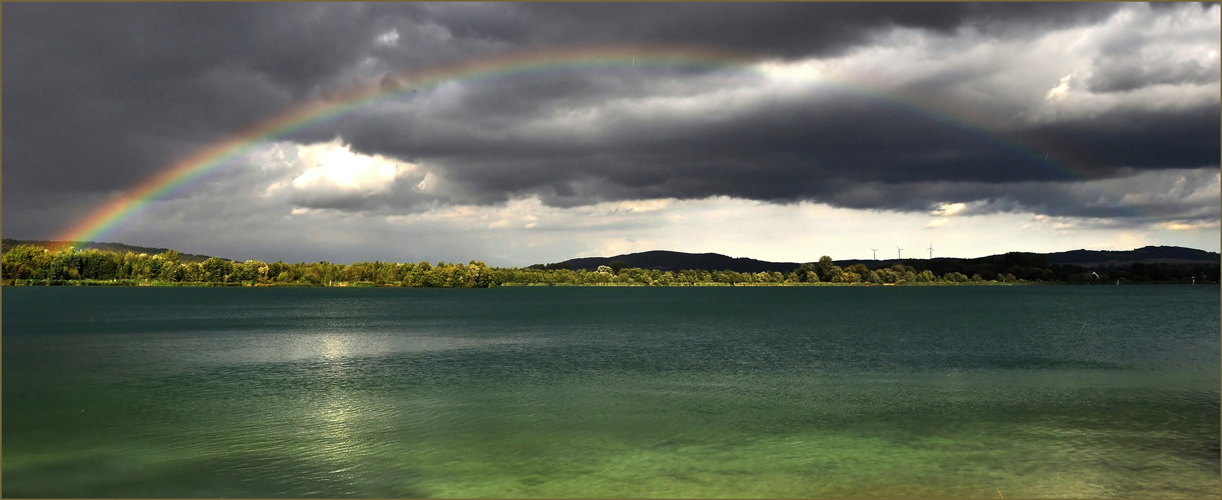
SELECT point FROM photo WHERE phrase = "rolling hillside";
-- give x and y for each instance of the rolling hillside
(185, 258)
(663, 260)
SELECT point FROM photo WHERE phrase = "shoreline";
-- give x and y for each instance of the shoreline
(146, 283)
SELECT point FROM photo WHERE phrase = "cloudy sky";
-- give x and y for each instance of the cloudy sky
(826, 129)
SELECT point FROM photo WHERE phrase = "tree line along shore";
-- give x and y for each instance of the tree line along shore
(26, 265)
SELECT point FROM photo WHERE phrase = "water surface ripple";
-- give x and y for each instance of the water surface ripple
(1053, 391)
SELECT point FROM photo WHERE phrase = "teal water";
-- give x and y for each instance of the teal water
(1052, 391)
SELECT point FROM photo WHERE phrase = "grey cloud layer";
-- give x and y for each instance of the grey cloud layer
(100, 96)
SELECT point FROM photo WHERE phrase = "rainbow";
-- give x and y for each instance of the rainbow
(183, 172)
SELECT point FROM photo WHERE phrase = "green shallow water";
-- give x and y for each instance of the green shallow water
(1086, 391)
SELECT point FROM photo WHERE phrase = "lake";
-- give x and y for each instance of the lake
(948, 391)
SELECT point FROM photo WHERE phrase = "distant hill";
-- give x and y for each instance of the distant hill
(664, 260)
(185, 258)
(1145, 255)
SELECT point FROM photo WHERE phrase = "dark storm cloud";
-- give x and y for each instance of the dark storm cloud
(1052, 199)
(767, 29)
(786, 151)
(99, 96)
(125, 86)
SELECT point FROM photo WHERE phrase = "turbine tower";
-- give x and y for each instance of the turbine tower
(875, 250)
(899, 252)
(931, 251)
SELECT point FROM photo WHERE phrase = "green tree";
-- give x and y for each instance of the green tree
(193, 272)
(312, 276)
(809, 267)
(170, 271)
(170, 255)
(825, 268)
(217, 270)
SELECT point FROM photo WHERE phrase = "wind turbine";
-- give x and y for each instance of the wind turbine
(931, 251)
(875, 250)
(899, 252)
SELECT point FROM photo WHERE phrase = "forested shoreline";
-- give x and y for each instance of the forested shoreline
(25, 265)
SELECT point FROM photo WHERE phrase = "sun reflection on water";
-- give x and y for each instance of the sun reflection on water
(334, 347)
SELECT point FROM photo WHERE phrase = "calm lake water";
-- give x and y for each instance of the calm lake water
(1048, 391)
